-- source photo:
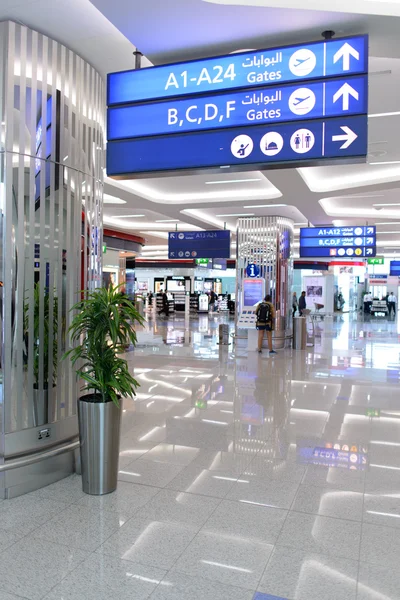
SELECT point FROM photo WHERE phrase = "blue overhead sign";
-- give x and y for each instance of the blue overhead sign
(394, 268)
(260, 106)
(357, 241)
(195, 244)
(296, 143)
(332, 242)
(342, 252)
(315, 60)
(326, 232)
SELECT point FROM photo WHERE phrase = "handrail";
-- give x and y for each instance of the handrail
(39, 456)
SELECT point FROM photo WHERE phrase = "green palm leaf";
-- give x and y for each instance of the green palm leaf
(101, 329)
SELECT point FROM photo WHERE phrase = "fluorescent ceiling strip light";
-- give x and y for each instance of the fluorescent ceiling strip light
(264, 205)
(216, 564)
(168, 221)
(149, 193)
(389, 223)
(382, 443)
(388, 204)
(237, 215)
(388, 114)
(231, 181)
(386, 467)
(388, 162)
(127, 216)
(382, 514)
(258, 503)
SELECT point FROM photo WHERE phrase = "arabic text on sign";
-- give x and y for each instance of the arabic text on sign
(310, 61)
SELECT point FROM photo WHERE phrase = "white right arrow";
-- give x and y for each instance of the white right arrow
(348, 137)
(345, 52)
(345, 92)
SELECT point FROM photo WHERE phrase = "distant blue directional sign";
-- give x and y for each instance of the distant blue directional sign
(395, 268)
(195, 244)
(262, 105)
(332, 242)
(357, 241)
(315, 60)
(297, 143)
(326, 232)
(342, 252)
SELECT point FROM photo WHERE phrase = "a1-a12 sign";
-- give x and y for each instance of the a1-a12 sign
(359, 241)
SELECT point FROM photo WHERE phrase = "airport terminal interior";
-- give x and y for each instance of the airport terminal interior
(200, 278)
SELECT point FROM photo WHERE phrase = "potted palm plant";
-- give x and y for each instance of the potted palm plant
(44, 342)
(101, 329)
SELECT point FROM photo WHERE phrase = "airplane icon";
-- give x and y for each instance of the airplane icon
(300, 61)
(300, 100)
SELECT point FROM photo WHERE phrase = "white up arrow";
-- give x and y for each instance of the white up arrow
(348, 137)
(345, 92)
(345, 52)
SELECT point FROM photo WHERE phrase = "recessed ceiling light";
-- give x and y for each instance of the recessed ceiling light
(232, 181)
(264, 205)
(127, 216)
(168, 221)
(237, 215)
(387, 162)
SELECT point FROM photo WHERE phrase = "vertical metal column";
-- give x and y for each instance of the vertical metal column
(268, 243)
(52, 110)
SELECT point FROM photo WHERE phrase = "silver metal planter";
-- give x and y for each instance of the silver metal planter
(99, 430)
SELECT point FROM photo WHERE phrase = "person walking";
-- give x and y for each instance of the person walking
(212, 300)
(302, 303)
(165, 305)
(391, 301)
(295, 304)
(265, 313)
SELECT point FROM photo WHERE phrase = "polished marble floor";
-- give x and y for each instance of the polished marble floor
(241, 476)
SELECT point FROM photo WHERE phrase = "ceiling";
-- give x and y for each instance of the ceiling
(105, 33)
(184, 29)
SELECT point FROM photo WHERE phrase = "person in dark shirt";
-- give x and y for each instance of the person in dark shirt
(302, 303)
(165, 305)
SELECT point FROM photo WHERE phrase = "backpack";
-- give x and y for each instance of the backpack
(264, 313)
